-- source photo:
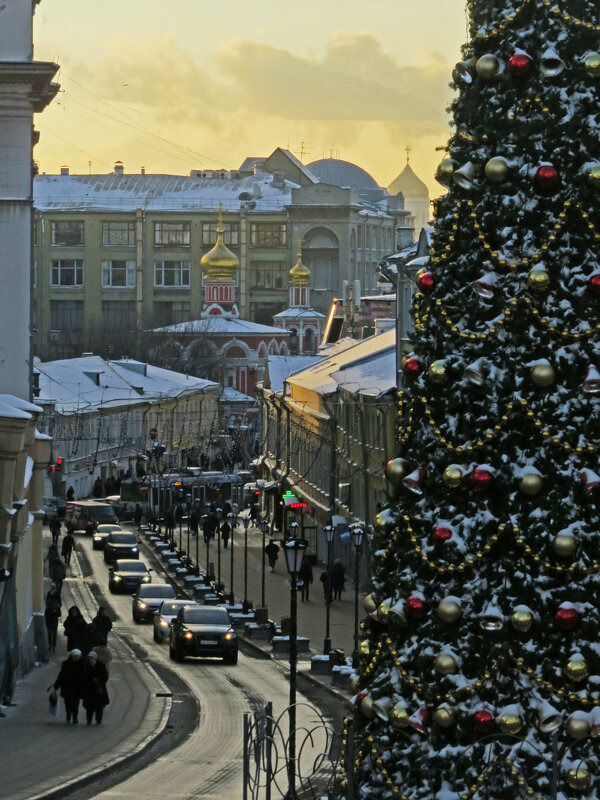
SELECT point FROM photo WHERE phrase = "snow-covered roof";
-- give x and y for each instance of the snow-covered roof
(388, 298)
(9, 400)
(89, 382)
(222, 325)
(231, 395)
(367, 366)
(280, 368)
(299, 312)
(158, 192)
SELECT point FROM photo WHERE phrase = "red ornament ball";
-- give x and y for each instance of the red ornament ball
(425, 281)
(566, 618)
(411, 368)
(594, 283)
(483, 719)
(442, 534)
(547, 177)
(415, 607)
(483, 479)
(519, 65)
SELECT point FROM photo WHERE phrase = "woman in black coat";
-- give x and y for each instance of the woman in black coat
(75, 629)
(69, 681)
(94, 693)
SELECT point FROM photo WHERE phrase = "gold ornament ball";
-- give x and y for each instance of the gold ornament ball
(453, 475)
(366, 708)
(538, 280)
(437, 372)
(577, 727)
(396, 470)
(496, 169)
(564, 545)
(522, 620)
(576, 669)
(592, 65)
(487, 66)
(369, 604)
(399, 716)
(510, 723)
(449, 610)
(579, 777)
(531, 483)
(379, 522)
(445, 664)
(543, 375)
(383, 611)
(445, 171)
(364, 648)
(444, 716)
(594, 176)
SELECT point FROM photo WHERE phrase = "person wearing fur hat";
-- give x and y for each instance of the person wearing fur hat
(70, 683)
(94, 693)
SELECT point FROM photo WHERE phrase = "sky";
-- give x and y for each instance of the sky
(175, 85)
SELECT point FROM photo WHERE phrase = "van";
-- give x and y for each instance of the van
(81, 512)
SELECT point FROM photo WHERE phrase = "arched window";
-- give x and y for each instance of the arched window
(293, 341)
(309, 341)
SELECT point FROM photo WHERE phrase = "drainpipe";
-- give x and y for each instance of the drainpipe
(365, 455)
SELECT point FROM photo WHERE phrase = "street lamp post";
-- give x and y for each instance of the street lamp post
(246, 523)
(219, 513)
(329, 534)
(180, 515)
(357, 537)
(188, 502)
(264, 527)
(294, 551)
(231, 564)
(197, 505)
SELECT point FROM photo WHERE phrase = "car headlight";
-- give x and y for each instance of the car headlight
(141, 604)
(116, 577)
(97, 538)
(146, 579)
(230, 635)
(134, 549)
(164, 624)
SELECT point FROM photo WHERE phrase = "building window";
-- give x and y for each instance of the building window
(118, 315)
(170, 314)
(67, 234)
(268, 233)
(118, 274)
(172, 274)
(67, 272)
(118, 234)
(66, 315)
(293, 341)
(268, 274)
(231, 233)
(172, 233)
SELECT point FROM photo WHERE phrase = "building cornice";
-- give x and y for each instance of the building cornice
(35, 74)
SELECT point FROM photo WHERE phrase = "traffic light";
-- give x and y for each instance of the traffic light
(59, 464)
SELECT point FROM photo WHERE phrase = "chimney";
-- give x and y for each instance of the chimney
(64, 170)
(119, 168)
(143, 171)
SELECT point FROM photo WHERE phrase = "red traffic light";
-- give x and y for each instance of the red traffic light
(59, 461)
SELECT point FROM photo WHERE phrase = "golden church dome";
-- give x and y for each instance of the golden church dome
(220, 264)
(300, 273)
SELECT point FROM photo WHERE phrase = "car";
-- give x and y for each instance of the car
(53, 508)
(81, 512)
(148, 598)
(101, 535)
(203, 631)
(120, 544)
(163, 618)
(127, 575)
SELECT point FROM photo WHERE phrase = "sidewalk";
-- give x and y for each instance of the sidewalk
(42, 756)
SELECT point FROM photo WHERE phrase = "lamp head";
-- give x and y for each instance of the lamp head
(357, 535)
(246, 521)
(329, 533)
(294, 551)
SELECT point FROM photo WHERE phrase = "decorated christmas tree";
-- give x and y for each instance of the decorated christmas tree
(480, 654)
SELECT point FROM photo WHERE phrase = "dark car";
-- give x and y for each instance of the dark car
(128, 576)
(167, 611)
(148, 598)
(100, 535)
(54, 508)
(120, 544)
(203, 631)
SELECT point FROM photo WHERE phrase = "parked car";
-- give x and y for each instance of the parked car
(101, 535)
(127, 575)
(54, 508)
(82, 512)
(203, 631)
(165, 615)
(120, 544)
(148, 598)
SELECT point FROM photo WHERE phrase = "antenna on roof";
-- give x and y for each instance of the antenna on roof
(304, 150)
(408, 150)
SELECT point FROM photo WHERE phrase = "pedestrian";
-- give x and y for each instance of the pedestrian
(70, 494)
(103, 624)
(69, 681)
(55, 530)
(90, 528)
(57, 572)
(169, 520)
(52, 614)
(338, 579)
(253, 512)
(104, 655)
(225, 533)
(306, 576)
(51, 555)
(272, 551)
(75, 629)
(70, 527)
(98, 490)
(67, 548)
(193, 521)
(94, 693)
(326, 581)
(137, 515)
